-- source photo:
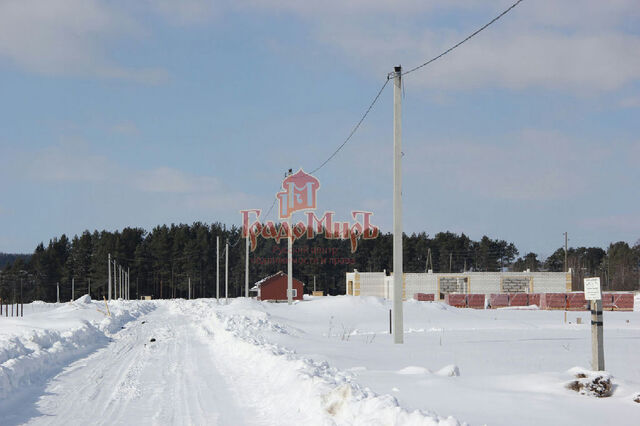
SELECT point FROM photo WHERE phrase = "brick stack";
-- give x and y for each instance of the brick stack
(475, 301)
(424, 297)
(534, 299)
(498, 300)
(607, 301)
(457, 300)
(576, 302)
(553, 300)
(518, 299)
(623, 301)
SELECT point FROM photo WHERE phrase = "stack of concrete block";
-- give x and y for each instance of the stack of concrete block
(500, 300)
(475, 301)
(457, 300)
(518, 299)
(424, 297)
(553, 301)
(576, 302)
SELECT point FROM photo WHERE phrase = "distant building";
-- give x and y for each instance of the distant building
(274, 287)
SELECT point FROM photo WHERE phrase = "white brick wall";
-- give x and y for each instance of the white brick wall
(374, 283)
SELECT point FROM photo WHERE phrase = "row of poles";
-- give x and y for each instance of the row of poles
(119, 280)
(120, 285)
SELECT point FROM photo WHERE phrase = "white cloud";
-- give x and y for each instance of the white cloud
(523, 169)
(68, 37)
(626, 223)
(184, 12)
(579, 46)
(168, 180)
(630, 102)
(68, 162)
(127, 128)
(72, 162)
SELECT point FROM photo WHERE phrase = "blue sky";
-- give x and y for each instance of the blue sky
(119, 113)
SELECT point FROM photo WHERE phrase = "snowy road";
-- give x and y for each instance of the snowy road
(173, 380)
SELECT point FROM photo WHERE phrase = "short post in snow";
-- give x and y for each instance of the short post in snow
(592, 292)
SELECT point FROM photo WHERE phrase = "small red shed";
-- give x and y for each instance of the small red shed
(274, 287)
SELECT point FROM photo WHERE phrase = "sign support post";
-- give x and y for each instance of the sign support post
(593, 293)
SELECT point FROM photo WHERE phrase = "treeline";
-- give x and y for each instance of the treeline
(162, 261)
(6, 258)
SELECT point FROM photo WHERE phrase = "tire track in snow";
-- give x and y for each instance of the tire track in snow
(133, 381)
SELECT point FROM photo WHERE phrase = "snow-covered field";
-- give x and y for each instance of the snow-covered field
(322, 361)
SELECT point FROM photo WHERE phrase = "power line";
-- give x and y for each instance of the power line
(355, 128)
(476, 32)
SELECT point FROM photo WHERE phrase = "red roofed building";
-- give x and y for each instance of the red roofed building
(274, 287)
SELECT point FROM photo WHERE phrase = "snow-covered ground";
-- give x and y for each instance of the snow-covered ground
(322, 361)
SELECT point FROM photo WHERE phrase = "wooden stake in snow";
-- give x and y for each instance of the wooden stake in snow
(107, 305)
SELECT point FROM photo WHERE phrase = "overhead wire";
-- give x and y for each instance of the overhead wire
(469, 37)
(435, 58)
(354, 129)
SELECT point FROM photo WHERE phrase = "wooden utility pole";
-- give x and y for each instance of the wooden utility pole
(217, 267)
(398, 332)
(566, 249)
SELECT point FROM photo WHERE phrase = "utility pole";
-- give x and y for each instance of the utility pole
(290, 264)
(89, 287)
(115, 281)
(189, 297)
(566, 248)
(314, 283)
(226, 273)
(73, 287)
(398, 332)
(246, 267)
(218, 268)
(450, 261)
(128, 284)
(57, 292)
(109, 290)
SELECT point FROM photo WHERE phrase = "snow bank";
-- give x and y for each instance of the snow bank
(34, 348)
(305, 388)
